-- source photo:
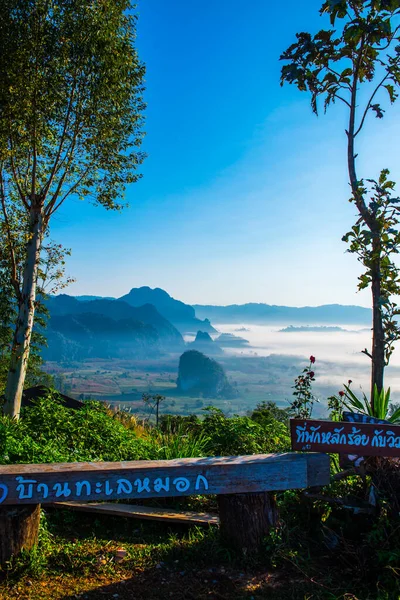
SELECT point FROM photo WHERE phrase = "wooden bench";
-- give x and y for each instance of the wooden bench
(241, 483)
(133, 511)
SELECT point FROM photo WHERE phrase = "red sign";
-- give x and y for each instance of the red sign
(363, 439)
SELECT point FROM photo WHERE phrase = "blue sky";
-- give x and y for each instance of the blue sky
(244, 191)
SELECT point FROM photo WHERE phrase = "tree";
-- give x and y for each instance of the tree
(353, 64)
(70, 125)
(51, 278)
(153, 401)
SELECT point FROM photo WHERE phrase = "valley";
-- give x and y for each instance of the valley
(117, 350)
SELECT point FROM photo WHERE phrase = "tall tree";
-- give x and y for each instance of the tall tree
(51, 278)
(70, 125)
(353, 63)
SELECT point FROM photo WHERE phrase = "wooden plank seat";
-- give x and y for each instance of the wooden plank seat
(48, 483)
(242, 484)
(166, 515)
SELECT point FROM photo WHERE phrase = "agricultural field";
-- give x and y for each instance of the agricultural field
(122, 383)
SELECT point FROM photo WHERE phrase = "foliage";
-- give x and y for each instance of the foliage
(353, 63)
(70, 125)
(316, 538)
(266, 413)
(49, 432)
(71, 101)
(381, 408)
(175, 423)
(384, 206)
(302, 406)
(320, 552)
(242, 435)
(180, 444)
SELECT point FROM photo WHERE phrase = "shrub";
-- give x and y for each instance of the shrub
(241, 435)
(49, 432)
(266, 413)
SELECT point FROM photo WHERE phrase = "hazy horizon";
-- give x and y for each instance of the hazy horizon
(67, 291)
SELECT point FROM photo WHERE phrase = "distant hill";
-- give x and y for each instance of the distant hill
(88, 298)
(199, 374)
(204, 343)
(92, 335)
(229, 339)
(107, 328)
(180, 314)
(313, 329)
(262, 314)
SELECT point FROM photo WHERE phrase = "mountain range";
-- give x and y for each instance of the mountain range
(148, 322)
(104, 328)
(263, 314)
(181, 315)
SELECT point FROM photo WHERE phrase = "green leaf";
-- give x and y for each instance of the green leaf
(392, 92)
(395, 417)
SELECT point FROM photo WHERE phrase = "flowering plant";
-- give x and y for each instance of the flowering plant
(381, 407)
(303, 403)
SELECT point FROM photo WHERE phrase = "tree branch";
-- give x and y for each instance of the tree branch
(369, 103)
(70, 191)
(359, 200)
(14, 171)
(344, 100)
(62, 140)
(365, 351)
(14, 277)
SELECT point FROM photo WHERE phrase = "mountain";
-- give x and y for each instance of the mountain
(229, 339)
(204, 343)
(199, 374)
(262, 314)
(106, 328)
(88, 298)
(313, 329)
(93, 335)
(180, 314)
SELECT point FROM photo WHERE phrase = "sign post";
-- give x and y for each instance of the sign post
(363, 439)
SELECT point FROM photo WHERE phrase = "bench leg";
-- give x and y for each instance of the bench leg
(245, 519)
(19, 529)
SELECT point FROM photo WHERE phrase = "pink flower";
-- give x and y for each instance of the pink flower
(312, 359)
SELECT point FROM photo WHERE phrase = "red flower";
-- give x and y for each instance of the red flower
(311, 373)
(341, 394)
(312, 359)
(349, 382)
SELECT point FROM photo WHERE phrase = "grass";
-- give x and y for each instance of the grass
(77, 557)
(319, 552)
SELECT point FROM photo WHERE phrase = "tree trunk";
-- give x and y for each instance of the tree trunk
(378, 336)
(23, 328)
(245, 519)
(19, 529)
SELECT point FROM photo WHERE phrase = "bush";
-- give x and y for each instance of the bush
(49, 432)
(242, 435)
(266, 413)
(179, 423)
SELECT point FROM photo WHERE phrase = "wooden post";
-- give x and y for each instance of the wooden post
(19, 529)
(245, 519)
